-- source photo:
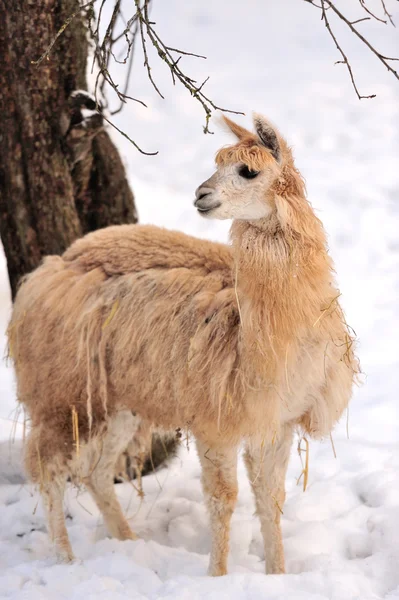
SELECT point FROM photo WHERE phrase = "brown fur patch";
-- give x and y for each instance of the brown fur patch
(248, 151)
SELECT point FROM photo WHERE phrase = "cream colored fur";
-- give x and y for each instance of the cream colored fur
(137, 327)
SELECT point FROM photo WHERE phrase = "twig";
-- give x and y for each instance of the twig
(326, 5)
(128, 138)
(363, 5)
(164, 53)
(99, 16)
(380, 56)
(106, 53)
(140, 24)
(127, 80)
(360, 20)
(386, 13)
(69, 20)
(143, 43)
(185, 53)
(130, 42)
(344, 57)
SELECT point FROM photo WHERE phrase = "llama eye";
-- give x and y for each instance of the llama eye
(245, 172)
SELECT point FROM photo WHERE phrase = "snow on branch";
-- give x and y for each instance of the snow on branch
(136, 28)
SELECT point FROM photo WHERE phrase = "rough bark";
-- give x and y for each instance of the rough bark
(107, 180)
(59, 176)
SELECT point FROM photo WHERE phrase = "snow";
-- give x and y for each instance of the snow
(341, 536)
(84, 94)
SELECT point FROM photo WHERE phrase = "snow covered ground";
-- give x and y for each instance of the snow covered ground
(342, 535)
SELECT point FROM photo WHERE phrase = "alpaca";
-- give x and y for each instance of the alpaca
(137, 327)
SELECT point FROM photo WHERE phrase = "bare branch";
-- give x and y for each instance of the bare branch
(129, 70)
(386, 13)
(144, 28)
(129, 41)
(104, 51)
(344, 57)
(139, 24)
(128, 138)
(143, 43)
(363, 5)
(164, 53)
(380, 56)
(330, 5)
(99, 16)
(360, 20)
(185, 53)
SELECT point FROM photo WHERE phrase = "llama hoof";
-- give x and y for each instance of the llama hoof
(65, 559)
(275, 571)
(127, 534)
(217, 571)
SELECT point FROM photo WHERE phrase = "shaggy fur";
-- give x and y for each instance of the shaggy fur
(238, 343)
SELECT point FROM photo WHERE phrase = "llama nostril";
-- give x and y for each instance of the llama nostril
(202, 191)
(202, 195)
(204, 201)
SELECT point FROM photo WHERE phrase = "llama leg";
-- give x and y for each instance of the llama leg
(266, 470)
(101, 487)
(50, 477)
(100, 482)
(53, 499)
(219, 480)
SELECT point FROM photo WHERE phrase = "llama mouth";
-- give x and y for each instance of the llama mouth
(204, 210)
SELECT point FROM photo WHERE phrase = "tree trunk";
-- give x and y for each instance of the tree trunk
(108, 200)
(60, 174)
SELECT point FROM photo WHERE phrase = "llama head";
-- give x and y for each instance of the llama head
(241, 187)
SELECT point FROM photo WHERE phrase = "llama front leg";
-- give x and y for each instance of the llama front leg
(219, 481)
(267, 467)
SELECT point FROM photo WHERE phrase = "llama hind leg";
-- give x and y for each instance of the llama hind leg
(53, 500)
(219, 480)
(100, 482)
(50, 476)
(101, 487)
(267, 468)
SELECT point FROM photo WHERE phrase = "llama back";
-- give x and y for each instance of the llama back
(123, 249)
(85, 341)
(65, 293)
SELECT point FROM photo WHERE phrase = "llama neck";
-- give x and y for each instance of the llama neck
(283, 280)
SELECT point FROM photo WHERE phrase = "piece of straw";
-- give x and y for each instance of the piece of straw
(75, 429)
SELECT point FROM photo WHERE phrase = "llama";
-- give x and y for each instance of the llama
(137, 327)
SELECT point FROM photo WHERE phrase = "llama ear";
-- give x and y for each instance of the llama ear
(267, 136)
(238, 131)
